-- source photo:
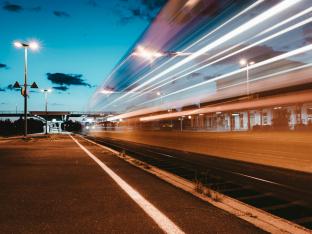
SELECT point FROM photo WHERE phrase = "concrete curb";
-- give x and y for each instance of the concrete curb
(260, 218)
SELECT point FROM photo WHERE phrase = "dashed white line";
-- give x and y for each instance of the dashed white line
(159, 218)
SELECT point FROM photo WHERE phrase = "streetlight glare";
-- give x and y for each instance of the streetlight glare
(17, 44)
(243, 62)
(146, 53)
(106, 91)
(34, 45)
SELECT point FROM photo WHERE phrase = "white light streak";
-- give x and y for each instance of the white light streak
(295, 26)
(193, 44)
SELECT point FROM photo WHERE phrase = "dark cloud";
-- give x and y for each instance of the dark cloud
(61, 14)
(67, 79)
(138, 9)
(93, 3)
(10, 87)
(61, 88)
(2, 65)
(154, 4)
(19, 8)
(12, 7)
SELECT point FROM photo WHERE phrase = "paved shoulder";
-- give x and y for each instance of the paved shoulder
(50, 185)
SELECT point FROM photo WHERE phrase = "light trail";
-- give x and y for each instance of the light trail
(300, 24)
(148, 89)
(248, 25)
(193, 44)
(256, 65)
(254, 104)
(237, 52)
(163, 116)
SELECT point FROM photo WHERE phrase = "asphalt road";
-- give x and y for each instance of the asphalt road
(50, 185)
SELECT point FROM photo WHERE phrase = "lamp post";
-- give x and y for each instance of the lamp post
(151, 55)
(161, 97)
(33, 46)
(46, 92)
(246, 63)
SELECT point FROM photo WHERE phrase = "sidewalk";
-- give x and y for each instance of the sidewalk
(50, 185)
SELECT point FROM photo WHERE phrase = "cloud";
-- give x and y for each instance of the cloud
(92, 3)
(129, 10)
(62, 88)
(10, 87)
(12, 7)
(61, 14)
(16, 8)
(67, 79)
(2, 65)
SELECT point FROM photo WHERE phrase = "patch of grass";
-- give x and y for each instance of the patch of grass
(199, 186)
(250, 215)
(122, 153)
(141, 164)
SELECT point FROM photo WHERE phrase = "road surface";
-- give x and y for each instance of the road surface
(53, 185)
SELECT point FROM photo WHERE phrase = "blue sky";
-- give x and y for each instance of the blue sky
(81, 39)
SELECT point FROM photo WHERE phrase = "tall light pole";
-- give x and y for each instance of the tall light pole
(246, 63)
(161, 97)
(33, 46)
(46, 92)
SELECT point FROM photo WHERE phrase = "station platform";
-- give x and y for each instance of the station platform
(65, 184)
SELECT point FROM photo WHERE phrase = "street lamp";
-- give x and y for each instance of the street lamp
(33, 46)
(246, 63)
(161, 97)
(46, 92)
(146, 53)
(151, 54)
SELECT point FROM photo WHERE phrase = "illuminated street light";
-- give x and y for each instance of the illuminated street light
(161, 96)
(151, 55)
(46, 91)
(147, 54)
(33, 45)
(246, 63)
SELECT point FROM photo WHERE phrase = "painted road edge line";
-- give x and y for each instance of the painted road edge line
(159, 218)
(261, 219)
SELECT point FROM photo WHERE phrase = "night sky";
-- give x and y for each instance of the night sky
(82, 41)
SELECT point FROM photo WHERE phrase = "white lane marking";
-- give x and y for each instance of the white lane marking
(167, 155)
(159, 218)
